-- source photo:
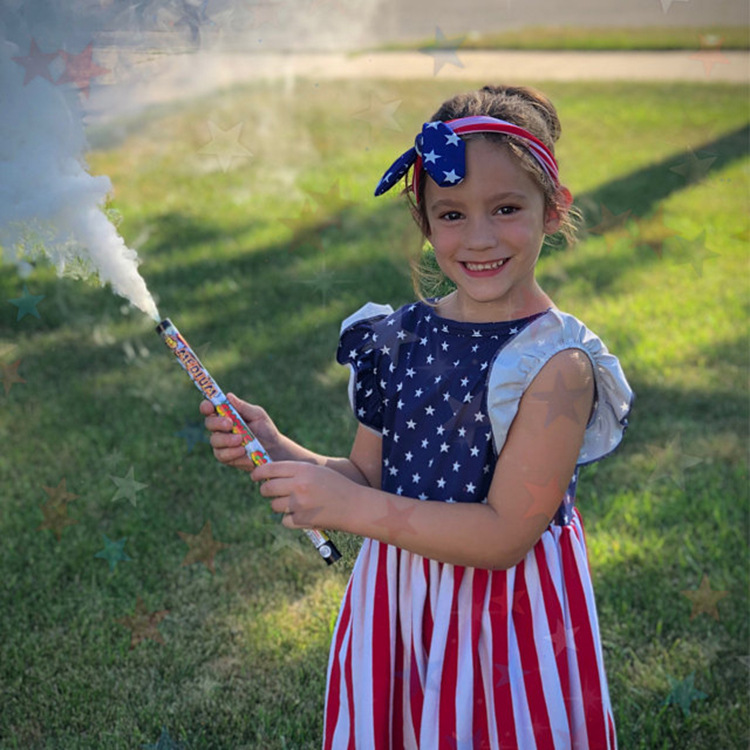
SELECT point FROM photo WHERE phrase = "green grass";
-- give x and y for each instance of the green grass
(259, 283)
(626, 39)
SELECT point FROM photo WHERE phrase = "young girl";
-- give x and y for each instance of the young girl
(469, 619)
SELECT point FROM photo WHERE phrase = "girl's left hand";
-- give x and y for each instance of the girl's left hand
(308, 495)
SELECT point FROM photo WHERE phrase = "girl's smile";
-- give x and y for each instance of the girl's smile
(487, 233)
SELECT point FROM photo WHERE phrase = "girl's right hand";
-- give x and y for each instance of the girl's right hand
(227, 446)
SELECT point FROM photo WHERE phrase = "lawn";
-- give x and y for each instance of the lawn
(127, 632)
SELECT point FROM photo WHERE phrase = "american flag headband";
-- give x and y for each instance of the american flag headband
(443, 154)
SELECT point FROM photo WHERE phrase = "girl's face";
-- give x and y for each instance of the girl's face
(487, 232)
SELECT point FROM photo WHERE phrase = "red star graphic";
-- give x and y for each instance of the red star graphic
(396, 521)
(55, 510)
(540, 494)
(203, 547)
(561, 401)
(704, 599)
(10, 375)
(80, 69)
(607, 222)
(655, 239)
(143, 624)
(710, 54)
(36, 63)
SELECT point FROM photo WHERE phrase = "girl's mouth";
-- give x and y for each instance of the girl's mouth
(488, 268)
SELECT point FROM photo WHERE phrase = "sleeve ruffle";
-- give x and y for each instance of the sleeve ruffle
(520, 361)
(357, 349)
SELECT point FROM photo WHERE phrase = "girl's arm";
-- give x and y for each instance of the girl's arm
(363, 466)
(530, 479)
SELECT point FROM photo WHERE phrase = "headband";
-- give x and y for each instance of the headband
(443, 154)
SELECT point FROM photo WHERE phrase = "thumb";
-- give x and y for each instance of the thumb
(247, 411)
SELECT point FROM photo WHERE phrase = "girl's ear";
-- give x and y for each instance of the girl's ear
(554, 215)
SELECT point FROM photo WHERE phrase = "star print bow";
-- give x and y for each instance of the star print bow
(443, 154)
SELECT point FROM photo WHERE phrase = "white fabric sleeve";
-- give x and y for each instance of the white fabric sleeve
(519, 362)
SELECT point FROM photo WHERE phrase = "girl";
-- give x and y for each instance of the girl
(469, 619)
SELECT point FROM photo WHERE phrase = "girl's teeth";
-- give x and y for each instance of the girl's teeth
(485, 266)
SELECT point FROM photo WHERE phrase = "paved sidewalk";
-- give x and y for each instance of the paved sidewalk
(138, 82)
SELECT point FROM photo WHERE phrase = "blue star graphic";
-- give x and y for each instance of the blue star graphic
(193, 433)
(165, 742)
(113, 552)
(27, 304)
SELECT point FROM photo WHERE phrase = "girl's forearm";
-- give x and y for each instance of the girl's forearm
(470, 534)
(287, 450)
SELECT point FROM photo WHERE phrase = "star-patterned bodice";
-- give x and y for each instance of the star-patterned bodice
(421, 382)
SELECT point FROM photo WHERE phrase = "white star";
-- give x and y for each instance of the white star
(444, 346)
(415, 478)
(462, 432)
(382, 384)
(452, 139)
(408, 456)
(479, 417)
(445, 329)
(418, 393)
(484, 366)
(391, 321)
(425, 443)
(401, 335)
(391, 367)
(475, 451)
(385, 350)
(422, 496)
(513, 330)
(456, 466)
(393, 471)
(400, 404)
(386, 432)
(396, 437)
(225, 145)
(440, 430)
(467, 398)
(399, 387)
(429, 411)
(476, 334)
(411, 372)
(399, 490)
(360, 412)
(444, 448)
(431, 157)
(430, 359)
(411, 424)
(470, 487)
(446, 397)
(441, 483)
(353, 354)
(451, 176)
(423, 342)
(464, 382)
(438, 378)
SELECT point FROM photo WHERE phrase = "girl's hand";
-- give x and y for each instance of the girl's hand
(227, 446)
(309, 496)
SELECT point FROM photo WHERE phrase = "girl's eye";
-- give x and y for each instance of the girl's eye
(507, 210)
(451, 216)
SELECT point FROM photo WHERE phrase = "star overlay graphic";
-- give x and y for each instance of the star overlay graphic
(9, 375)
(143, 625)
(683, 693)
(113, 552)
(165, 742)
(380, 114)
(225, 145)
(193, 433)
(127, 487)
(444, 51)
(55, 510)
(704, 599)
(27, 304)
(80, 69)
(710, 53)
(203, 547)
(671, 461)
(36, 63)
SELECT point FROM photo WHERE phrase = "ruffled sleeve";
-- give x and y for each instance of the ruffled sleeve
(518, 363)
(358, 350)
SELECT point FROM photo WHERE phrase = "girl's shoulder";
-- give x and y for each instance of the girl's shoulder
(518, 363)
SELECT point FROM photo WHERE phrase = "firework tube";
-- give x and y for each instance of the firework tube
(208, 387)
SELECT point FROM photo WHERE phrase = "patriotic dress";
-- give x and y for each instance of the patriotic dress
(435, 656)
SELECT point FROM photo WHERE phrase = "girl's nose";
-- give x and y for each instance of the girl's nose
(480, 234)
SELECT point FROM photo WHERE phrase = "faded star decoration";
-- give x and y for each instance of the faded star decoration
(193, 433)
(667, 4)
(323, 281)
(540, 494)
(652, 232)
(113, 552)
(562, 637)
(380, 114)
(283, 539)
(80, 69)
(9, 375)
(683, 693)
(27, 304)
(710, 53)
(55, 510)
(607, 222)
(165, 742)
(672, 461)
(561, 401)
(36, 63)
(127, 487)
(695, 168)
(203, 547)
(331, 201)
(704, 599)
(444, 51)
(225, 145)
(396, 521)
(691, 252)
(143, 624)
